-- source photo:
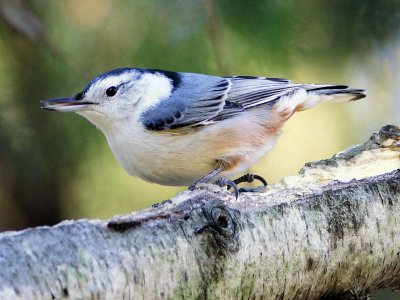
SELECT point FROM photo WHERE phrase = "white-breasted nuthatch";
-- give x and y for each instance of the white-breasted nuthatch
(175, 128)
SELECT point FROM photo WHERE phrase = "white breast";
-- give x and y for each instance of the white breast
(159, 157)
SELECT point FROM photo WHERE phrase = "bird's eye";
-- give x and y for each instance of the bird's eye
(111, 91)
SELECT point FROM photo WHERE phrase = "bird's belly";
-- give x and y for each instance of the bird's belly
(163, 159)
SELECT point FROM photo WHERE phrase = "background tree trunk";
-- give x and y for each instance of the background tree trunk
(332, 231)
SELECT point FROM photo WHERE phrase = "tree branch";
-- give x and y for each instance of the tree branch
(331, 230)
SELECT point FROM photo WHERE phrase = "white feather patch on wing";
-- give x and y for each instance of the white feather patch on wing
(303, 100)
(289, 103)
(339, 98)
(312, 100)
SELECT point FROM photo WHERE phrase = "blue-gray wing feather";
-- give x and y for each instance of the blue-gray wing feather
(198, 99)
(203, 99)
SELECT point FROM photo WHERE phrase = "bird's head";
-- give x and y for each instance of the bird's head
(119, 94)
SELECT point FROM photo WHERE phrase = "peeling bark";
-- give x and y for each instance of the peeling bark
(331, 232)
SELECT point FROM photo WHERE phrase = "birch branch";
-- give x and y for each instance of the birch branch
(331, 232)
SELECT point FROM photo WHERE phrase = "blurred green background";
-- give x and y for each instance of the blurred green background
(57, 166)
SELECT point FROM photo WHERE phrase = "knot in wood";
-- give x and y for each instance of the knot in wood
(222, 221)
(220, 227)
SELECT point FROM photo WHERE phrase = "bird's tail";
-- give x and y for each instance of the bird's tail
(337, 93)
(311, 95)
(317, 94)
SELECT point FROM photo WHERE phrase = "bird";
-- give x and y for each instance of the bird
(184, 129)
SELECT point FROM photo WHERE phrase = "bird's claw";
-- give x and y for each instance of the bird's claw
(248, 178)
(228, 183)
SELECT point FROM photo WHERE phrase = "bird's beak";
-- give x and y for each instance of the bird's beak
(66, 104)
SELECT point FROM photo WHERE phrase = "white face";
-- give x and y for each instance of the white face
(117, 95)
(113, 96)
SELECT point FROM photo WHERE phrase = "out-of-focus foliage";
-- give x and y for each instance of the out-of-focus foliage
(55, 166)
(285, 31)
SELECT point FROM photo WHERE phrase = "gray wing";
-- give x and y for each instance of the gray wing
(197, 99)
(250, 91)
(203, 99)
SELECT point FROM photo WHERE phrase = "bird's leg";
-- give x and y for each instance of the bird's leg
(207, 178)
(221, 182)
(250, 178)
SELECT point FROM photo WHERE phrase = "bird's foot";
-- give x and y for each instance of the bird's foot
(222, 182)
(249, 178)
